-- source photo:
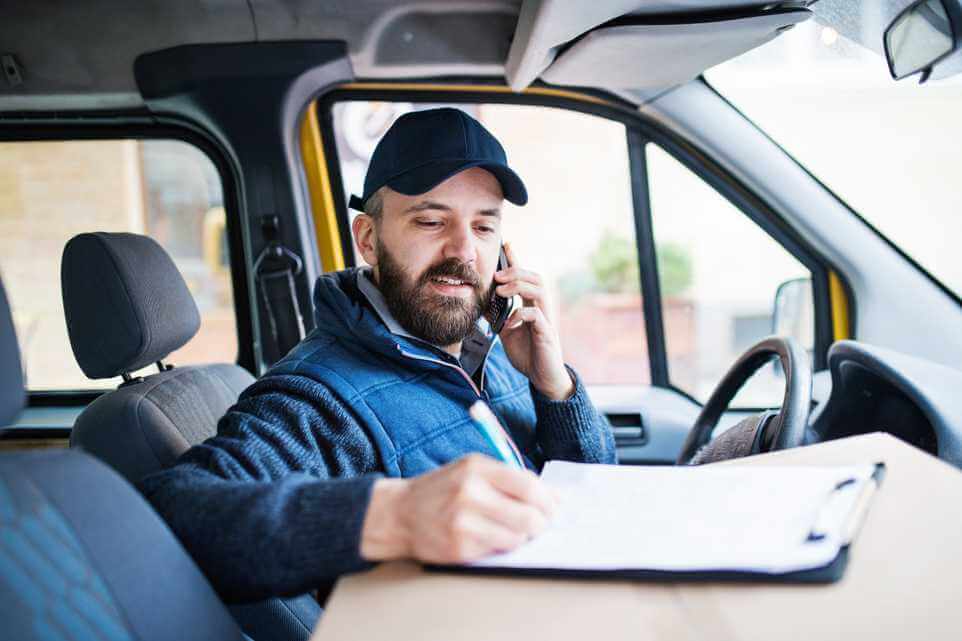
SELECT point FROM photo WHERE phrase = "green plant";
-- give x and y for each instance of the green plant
(614, 264)
(674, 268)
(614, 269)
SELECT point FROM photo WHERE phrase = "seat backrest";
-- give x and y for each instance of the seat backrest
(145, 425)
(12, 394)
(82, 555)
(127, 306)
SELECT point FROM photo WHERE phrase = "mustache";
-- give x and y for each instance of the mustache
(451, 268)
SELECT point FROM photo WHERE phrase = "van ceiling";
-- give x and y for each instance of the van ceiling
(79, 55)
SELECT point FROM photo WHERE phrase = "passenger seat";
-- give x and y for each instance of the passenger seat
(127, 306)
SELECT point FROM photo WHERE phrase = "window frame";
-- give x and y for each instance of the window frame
(757, 211)
(640, 131)
(42, 128)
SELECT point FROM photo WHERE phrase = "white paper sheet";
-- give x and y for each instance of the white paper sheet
(693, 518)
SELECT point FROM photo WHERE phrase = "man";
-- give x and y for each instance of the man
(290, 493)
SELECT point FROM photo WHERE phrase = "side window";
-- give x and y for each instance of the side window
(718, 273)
(577, 229)
(51, 191)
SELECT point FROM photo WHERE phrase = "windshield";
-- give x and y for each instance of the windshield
(891, 150)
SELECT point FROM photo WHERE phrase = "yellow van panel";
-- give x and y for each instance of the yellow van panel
(839, 302)
(322, 199)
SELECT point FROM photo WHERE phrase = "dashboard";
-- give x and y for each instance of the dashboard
(879, 390)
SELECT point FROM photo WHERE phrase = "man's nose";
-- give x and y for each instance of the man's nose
(460, 244)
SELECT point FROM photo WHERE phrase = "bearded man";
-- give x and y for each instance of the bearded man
(358, 446)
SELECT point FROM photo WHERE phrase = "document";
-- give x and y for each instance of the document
(769, 520)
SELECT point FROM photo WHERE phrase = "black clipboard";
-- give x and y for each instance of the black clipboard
(829, 573)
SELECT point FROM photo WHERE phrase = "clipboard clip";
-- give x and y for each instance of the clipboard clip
(841, 513)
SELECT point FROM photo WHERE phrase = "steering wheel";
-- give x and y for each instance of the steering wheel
(787, 428)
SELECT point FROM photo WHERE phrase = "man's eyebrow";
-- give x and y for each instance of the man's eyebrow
(425, 205)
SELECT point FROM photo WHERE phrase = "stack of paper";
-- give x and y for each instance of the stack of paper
(769, 520)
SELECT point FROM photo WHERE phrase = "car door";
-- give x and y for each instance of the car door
(660, 275)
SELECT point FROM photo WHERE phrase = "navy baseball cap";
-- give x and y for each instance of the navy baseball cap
(422, 149)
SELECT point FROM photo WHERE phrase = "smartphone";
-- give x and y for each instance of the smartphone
(499, 307)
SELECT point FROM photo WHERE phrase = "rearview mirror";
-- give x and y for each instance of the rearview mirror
(920, 36)
(794, 312)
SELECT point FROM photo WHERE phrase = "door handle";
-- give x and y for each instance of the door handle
(627, 428)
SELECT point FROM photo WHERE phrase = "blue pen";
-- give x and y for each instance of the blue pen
(487, 423)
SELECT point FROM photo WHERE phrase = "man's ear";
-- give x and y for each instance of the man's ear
(365, 237)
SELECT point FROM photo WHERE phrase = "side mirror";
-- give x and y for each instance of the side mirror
(794, 312)
(921, 35)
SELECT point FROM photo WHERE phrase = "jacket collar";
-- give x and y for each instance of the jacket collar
(474, 348)
(366, 286)
(340, 309)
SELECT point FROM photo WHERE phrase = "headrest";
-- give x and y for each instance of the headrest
(126, 304)
(12, 396)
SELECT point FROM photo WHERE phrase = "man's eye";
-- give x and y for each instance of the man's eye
(428, 223)
(486, 229)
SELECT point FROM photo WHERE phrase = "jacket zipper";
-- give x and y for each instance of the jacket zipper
(514, 447)
(440, 362)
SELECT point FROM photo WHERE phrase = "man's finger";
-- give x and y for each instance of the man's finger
(509, 254)
(476, 536)
(518, 273)
(531, 315)
(521, 518)
(528, 291)
(524, 486)
(515, 320)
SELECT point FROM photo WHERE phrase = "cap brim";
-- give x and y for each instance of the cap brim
(427, 177)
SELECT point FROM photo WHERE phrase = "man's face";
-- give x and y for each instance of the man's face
(434, 254)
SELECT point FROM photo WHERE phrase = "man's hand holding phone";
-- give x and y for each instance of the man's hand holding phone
(529, 336)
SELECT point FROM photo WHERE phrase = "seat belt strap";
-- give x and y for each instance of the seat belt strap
(274, 271)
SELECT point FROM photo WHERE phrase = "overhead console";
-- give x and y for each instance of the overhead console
(638, 44)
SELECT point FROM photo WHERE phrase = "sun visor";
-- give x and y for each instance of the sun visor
(545, 26)
(643, 56)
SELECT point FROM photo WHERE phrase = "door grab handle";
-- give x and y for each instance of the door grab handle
(628, 429)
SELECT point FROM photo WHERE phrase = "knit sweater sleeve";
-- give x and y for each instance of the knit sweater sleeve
(256, 506)
(573, 429)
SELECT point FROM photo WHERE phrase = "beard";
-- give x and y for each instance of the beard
(433, 317)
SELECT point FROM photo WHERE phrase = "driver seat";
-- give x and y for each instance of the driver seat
(127, 306)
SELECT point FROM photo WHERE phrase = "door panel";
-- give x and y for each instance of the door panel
(665, 417)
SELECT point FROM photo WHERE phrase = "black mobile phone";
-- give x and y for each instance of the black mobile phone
(499, 307)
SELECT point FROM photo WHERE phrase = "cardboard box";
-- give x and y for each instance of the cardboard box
(902, 581)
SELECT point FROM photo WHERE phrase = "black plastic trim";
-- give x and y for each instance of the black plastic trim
(705, 16)
(33, 433)
(63, 398)
(647, 260)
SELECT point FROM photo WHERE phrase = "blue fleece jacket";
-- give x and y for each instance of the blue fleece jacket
(274, 504)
